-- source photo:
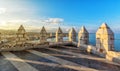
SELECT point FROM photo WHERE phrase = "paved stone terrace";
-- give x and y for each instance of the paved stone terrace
(64, 58)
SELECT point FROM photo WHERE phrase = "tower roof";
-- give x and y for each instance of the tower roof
(59, 30)
(43, 30)
(83, 30)
(21, 29)
(72, 30)
(104, 25)
(104, 29)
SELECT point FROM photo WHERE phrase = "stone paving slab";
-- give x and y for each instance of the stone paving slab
(54, 59)
(63, 62)
(18, 63)
(5, 65)
(92, 62)
(40, 63)
(76, 51)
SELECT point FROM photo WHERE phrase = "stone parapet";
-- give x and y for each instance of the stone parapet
(83, 36)
(104, 39)
(59, 35)
(21, 35)
(72, 35)
(43, 35)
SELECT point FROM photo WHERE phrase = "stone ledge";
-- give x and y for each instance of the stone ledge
(110, 55)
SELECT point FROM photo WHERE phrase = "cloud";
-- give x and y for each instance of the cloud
(53, 20)
(2, 10)
(32, 24)
(14, 13)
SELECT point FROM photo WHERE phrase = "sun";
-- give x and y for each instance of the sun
(3, 23)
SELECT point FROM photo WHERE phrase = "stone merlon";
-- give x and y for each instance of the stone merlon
(83, 36)
(104, 38)
(43, 35)
(59, 35)
(72, 35)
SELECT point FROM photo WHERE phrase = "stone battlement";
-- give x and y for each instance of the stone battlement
(104, 41)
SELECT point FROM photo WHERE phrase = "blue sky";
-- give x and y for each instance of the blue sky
(65, 13)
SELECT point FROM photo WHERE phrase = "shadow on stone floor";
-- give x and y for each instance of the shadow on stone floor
(92, 63)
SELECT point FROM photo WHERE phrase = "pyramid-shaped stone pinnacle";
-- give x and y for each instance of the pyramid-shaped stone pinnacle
(104, 29)
(104, 25)
(21, 29)
(59, 30)
(43, 30)
(72, 30)
(83, 30)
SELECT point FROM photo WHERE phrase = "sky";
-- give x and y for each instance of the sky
(33, 14)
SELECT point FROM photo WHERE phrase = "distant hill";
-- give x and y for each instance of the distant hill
(12, 32)
(2, 31)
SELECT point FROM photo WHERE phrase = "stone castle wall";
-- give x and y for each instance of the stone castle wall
(104, 40)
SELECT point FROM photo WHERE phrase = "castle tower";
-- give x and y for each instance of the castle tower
(72, 35)
(43, 35)
(83, 36)
(59, 35)
(21, 34)
(104, 39)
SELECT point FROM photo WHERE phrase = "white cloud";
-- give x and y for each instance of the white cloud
(13, 13)
(2, 10)
(30, 23)
(53, 20)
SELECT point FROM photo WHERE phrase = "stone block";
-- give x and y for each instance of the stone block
(108, 42)
(98, 46)
(98, 41)
(108, 37)
(100, 31)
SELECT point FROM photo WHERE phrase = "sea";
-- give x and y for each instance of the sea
(92, 40)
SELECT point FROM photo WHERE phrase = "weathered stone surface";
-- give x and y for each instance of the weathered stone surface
(59, 35)
(112, 54)
(72, 35)
(21, 35)
(20, 64)
(83, 36)
(43, 35)
(104, 39)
